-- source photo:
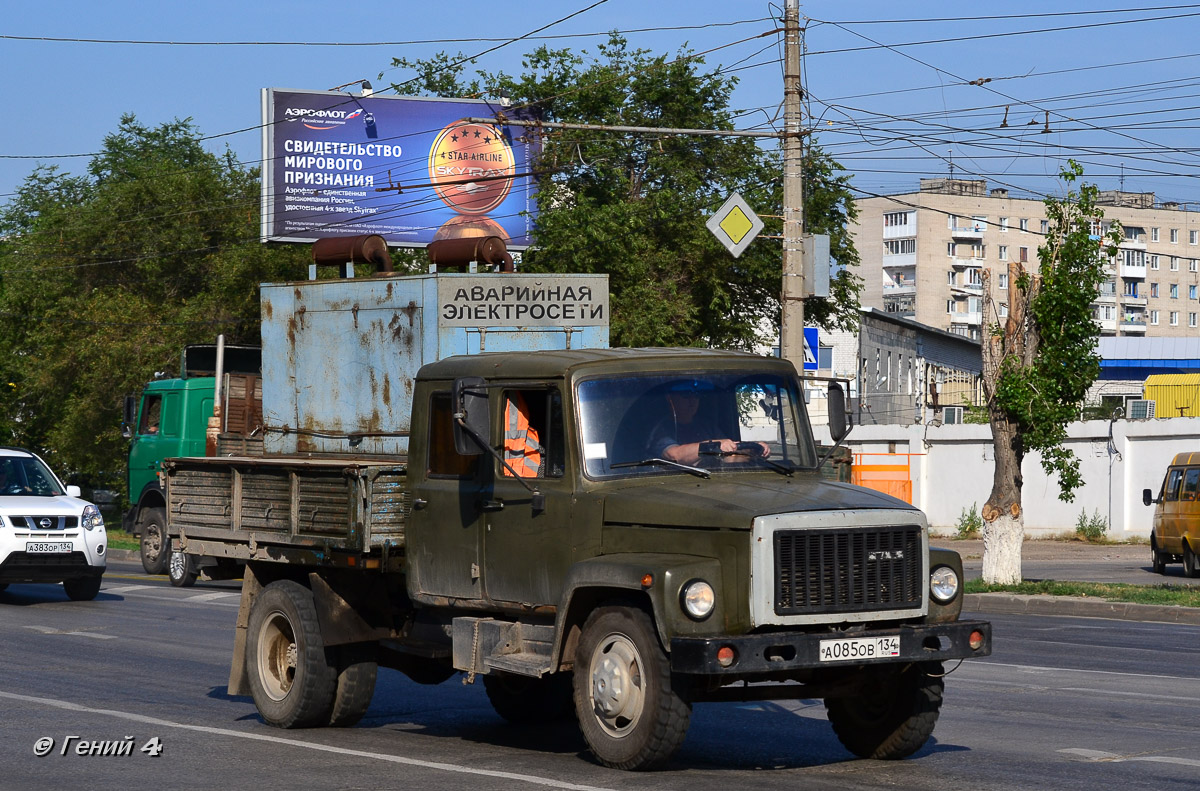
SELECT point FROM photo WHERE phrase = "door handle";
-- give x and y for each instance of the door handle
(491, 505)
(418, 504)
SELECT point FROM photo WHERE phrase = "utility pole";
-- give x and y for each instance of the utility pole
(791, 335)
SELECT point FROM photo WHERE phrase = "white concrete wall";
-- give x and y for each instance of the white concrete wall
(952, 468)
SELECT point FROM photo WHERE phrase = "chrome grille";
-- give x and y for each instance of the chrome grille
(36, 522)
(858, 569)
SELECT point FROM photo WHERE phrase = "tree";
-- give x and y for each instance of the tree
(1038, 366)
(105, 277)
(633, 206)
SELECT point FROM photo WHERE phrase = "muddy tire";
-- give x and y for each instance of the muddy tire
(155, 543)
(1190, 567)
(894, 716)
(181, 570)
(630, 714)
(356, 671)
(83, 588)
(292, 681)
(523, 700)
(1158, 560)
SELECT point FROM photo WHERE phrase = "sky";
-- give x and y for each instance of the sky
(889, 85)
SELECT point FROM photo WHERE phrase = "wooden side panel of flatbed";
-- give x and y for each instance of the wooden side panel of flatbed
(250, 507)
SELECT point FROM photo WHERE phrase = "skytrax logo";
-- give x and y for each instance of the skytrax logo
(321, 119)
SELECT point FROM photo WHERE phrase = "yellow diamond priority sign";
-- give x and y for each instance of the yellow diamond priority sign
(735, 224)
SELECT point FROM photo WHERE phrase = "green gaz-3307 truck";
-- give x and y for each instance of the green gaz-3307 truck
(610, 535)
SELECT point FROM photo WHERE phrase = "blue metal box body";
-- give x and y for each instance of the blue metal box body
(340, 356)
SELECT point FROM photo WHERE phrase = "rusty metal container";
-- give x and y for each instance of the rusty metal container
(340, 356)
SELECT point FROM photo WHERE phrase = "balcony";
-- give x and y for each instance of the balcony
(966, 263)
(968, 289)
(973, 231)
(900, 304)
(1107, 297)
(971, 319)
(1133, 300)
(1134, 327)
(1133, 270)
(902, 259)
(904, 287)
(1107, 326)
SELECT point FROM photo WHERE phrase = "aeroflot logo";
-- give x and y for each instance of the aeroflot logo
(321, 119)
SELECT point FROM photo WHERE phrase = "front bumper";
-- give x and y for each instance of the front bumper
(782, 652)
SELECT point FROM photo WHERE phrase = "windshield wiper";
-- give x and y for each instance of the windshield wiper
(667, 462)
(772, 464)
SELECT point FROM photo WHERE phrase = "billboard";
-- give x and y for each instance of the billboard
(412, 170)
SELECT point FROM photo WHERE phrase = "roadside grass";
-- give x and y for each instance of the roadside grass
(119, 539)
(1178, 595)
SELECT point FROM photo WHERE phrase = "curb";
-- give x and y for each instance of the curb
(124, 554)
(1010, 603)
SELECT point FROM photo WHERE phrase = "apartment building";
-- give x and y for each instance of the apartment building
(924, 255)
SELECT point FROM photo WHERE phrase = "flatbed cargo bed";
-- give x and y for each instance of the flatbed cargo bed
(324, 510)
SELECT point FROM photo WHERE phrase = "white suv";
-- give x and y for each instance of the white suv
(47, 534)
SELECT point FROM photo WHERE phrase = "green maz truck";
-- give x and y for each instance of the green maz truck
(173, 417)
(609, 535)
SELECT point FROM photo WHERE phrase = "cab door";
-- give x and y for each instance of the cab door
(444, 527)
(1188, 517)
(1169, 512)
(528, 551)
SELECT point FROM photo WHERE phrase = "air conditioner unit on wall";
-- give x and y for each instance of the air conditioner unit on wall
(1139, 409)
(952, 414)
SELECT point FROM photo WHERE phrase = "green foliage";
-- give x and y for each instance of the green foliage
(970, 523)
(1177, 595)
(1091, 528)
(633, 206)
(1049, 362)
(105, 277)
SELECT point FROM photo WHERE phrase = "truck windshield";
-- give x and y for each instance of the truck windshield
(711, 421)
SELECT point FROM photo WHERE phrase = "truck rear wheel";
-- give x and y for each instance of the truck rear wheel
(628, 710)
(893, 716)
(155, 543)
(1190, 566)
(291, 680)
(523, 700)
(356, 669)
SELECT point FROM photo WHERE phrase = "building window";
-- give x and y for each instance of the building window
(951, 248)
(1003, 225)
(1174, 318)
(950, 306)
(978, 250)
(895, 219)
(900, 246)
(1191, 292)
(1154, 290)
(950, 277)
(1133, 258)
(1024, 255)
(1045, 226)
(1174, 264)
(1193, 237)
(1130, 289)
(1174, 236)
(1024, 225)
(1154, 317)
(825, 358)
(1003, 252)
(1154, 234)
(1154, 262)
(1002, 280)
(1174, 291)
(1192, 265)
(1003, 310)
(1191, 319)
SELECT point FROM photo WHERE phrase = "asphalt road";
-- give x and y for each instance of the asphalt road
(1064, 703)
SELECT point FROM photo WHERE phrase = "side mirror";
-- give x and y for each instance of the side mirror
(472, 426)
(74, 491)
(1147, 497)
(836, 405)
(129, 415)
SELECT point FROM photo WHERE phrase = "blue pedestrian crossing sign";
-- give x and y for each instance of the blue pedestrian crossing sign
(811, 345)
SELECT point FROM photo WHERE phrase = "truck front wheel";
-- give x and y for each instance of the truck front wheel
(893, 716)
(291, 680)
(629, 712)
(155, 543)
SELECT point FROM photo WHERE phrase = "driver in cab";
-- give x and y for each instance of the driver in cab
(687, 433)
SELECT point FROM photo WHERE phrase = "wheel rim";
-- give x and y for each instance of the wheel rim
(154, 541)
(277, 656)
(178, 564)
(618, 685)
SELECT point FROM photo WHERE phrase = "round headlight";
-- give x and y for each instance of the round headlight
(943, 584)
(698, 599)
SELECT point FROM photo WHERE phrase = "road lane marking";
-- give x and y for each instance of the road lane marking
(1101, 756)
(261, 737)
(1043, 669)
(212, 596)
(73, 633)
